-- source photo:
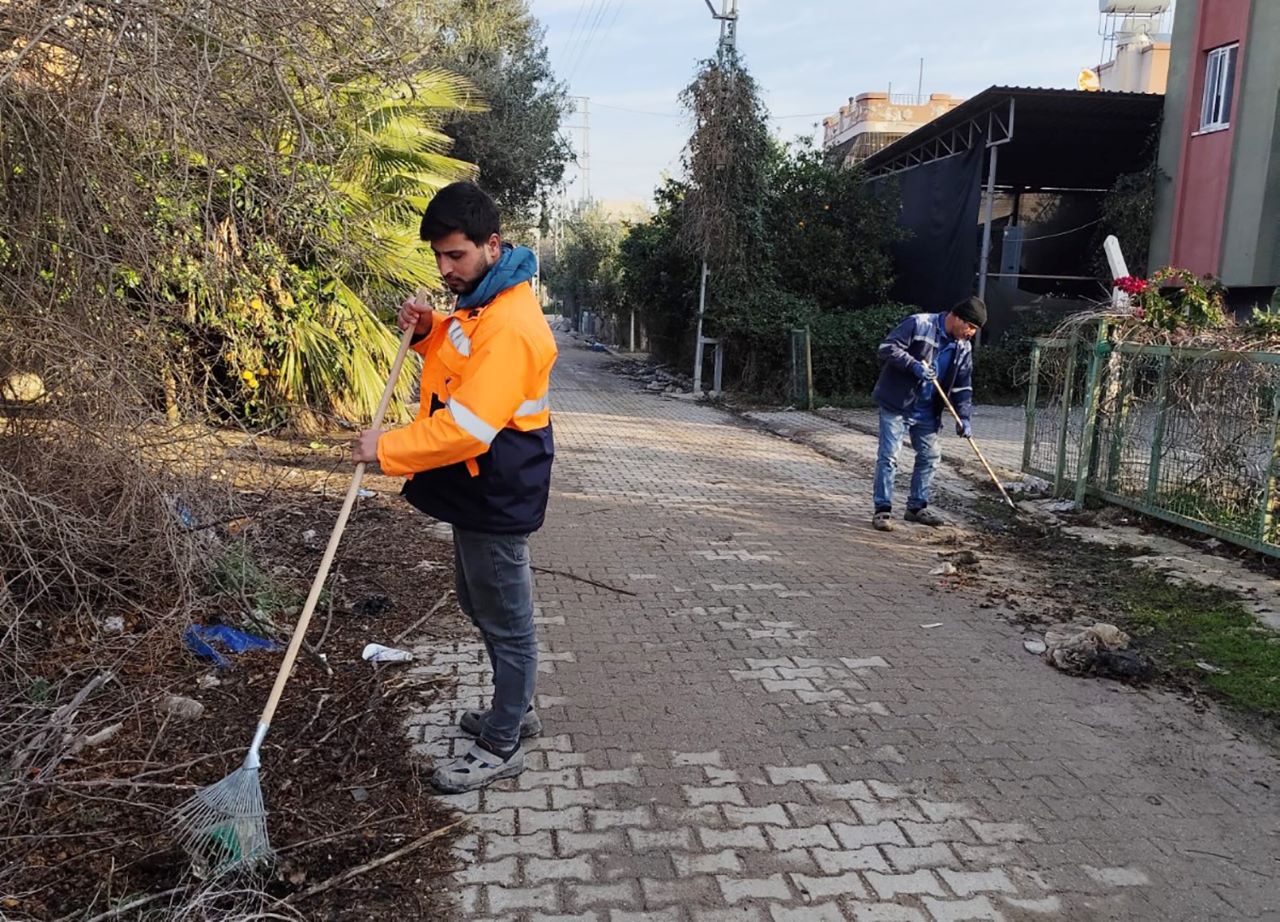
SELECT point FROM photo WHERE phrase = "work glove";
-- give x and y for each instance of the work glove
(924, 372)
(964, 429)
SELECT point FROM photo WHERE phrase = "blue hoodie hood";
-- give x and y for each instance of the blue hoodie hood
(515, 265)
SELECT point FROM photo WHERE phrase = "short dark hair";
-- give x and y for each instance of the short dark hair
(460, 206)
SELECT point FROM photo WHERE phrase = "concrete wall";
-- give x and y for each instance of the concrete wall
(1173, 128)
(1139, 67)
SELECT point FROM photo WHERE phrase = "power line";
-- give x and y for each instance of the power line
(590, 36)
(602, 105)
(573, 31)
(588, 30)
(612, 22)
(1064, 233)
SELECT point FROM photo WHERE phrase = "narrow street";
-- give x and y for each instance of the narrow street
(752, 724)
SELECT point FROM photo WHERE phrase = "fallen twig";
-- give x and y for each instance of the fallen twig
(341, 833)
(582, 579)
(434, 608)
(125, 907)
(61, 718)
(362, 715)
(167, 769)
(118, 783)
(316, 716)
(328, 623)
(318, 657)
(226, 521)
(380, 694)
(372, 865)
(152, 751)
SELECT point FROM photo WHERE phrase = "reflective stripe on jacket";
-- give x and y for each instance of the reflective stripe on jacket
(918, 339)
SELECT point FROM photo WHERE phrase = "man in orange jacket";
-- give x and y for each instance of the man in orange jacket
(478, 456)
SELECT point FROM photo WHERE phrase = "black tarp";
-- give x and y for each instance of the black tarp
(935, 265)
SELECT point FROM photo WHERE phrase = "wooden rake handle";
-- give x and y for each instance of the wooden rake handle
(317, 585)
(937, 386)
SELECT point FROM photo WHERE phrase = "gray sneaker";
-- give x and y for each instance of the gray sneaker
(925, 516)
(882, 521)
(530, 725)
(476, 769)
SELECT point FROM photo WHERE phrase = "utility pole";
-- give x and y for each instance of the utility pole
(728, 17)
(537, 263)
(583, 105)
(586, 149)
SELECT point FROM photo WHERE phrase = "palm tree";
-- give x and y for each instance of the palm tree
(394, 160)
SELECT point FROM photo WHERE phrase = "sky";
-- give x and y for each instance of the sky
(631, 59)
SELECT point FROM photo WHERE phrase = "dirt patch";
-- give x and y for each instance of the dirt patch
(1205, 645)
(337, 775)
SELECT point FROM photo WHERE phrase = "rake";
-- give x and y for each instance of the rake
(941, 392)
(224, 826)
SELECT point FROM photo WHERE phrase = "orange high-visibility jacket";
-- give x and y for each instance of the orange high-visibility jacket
(479, 453)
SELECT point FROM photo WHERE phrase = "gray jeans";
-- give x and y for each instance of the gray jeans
(495, 590)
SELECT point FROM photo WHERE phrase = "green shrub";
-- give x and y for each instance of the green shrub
(844, 348)
(844, 352)
(1001, 368)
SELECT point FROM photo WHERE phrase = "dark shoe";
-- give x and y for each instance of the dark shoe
(925, 516)
(531, 725)
(882, 521)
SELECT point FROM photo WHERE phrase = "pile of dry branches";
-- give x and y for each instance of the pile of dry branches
(109, 113)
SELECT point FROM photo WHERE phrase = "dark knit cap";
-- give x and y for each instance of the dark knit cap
(971, 310)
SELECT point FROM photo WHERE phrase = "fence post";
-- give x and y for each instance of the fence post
(1157, 436)
(1028, 440)
(1090, 414)
(1068, 380)
(1127, 375)
(808, 365)
(792, 340)
(1266, 520)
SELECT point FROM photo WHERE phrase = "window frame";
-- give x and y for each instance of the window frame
(1218, 95)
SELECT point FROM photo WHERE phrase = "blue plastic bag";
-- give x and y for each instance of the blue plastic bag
(200, 640)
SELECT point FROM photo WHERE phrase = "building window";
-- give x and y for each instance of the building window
(1219, 82)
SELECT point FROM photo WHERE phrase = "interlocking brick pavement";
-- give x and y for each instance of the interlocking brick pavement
(763, 732)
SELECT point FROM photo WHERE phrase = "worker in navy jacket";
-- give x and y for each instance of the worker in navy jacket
(921, 354)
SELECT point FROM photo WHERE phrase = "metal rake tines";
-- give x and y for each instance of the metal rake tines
(224, 826)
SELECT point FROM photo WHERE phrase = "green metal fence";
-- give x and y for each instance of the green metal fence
(1186, 435)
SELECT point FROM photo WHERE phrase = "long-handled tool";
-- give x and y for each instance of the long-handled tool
(937, 386)
(224, 826)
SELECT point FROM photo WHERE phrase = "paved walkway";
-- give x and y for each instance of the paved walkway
(1000, 430)
(758, 728)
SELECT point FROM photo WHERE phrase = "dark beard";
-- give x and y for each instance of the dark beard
(475, 283)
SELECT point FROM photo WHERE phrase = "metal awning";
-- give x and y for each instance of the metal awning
(1051, 139)
(1035, 140)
